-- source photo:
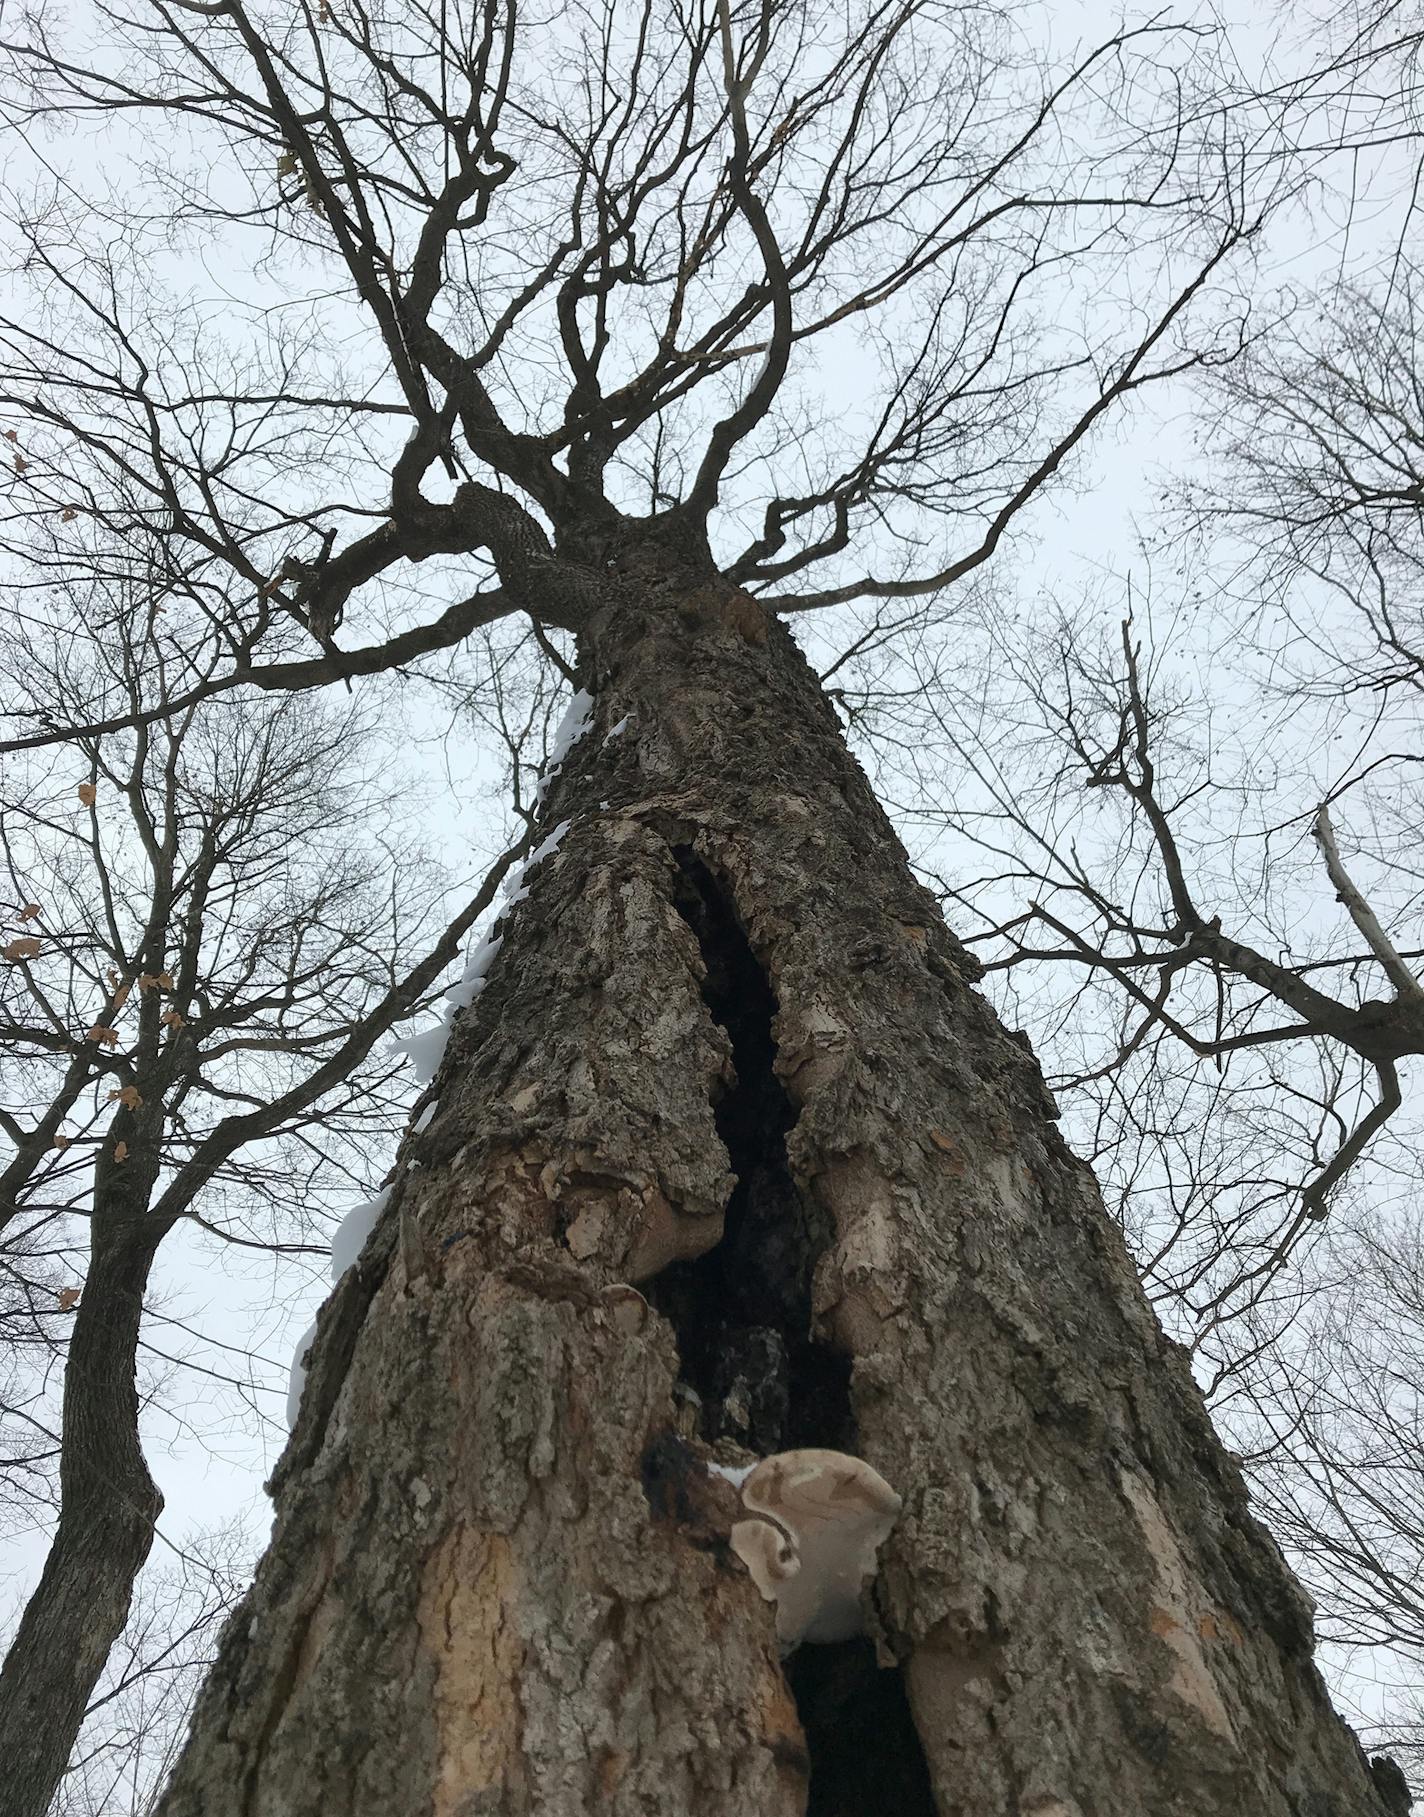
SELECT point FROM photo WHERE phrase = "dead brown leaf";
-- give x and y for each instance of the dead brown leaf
(22, 949)
(106, 1037)
(121, 1151)
(68, 1298)
(87, 793)
(128, 1096)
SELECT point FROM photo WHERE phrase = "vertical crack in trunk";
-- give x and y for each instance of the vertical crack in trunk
(866, 1757)
(743, 1318)
(742, 1312)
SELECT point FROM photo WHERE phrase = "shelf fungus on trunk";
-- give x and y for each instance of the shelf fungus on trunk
(818, 1520)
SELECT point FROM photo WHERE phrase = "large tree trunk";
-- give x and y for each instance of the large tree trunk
(729, 1053)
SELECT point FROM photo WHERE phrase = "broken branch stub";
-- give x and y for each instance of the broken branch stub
(820, 1518)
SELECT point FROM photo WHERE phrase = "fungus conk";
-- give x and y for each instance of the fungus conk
(819, 1518)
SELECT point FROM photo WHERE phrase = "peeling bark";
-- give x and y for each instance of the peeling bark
(730, 1055)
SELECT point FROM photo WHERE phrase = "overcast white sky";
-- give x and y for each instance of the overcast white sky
(210, 1445)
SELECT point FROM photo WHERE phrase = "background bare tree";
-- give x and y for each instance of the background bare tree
(1335, 1444)
(1146, 861)
(214, 920)
(1318, 440)
(139, 1709)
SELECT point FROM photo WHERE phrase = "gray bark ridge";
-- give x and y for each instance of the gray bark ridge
(729, 1153)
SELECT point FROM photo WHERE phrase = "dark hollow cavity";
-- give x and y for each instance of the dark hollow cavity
(742, 1312)
(866, 1759)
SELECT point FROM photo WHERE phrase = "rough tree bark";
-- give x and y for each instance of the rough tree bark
(730, 1055)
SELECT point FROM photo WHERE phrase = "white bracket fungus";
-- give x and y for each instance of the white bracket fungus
(819, 1518)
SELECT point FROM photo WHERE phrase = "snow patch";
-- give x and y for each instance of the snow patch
(472, 979)
(298, 1378)
(736, 1474)
(578, 717)
(347, 1242)
(351, 1233)
(618, 730)
(423, 1120)
(426, 1050)
(548, 847)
